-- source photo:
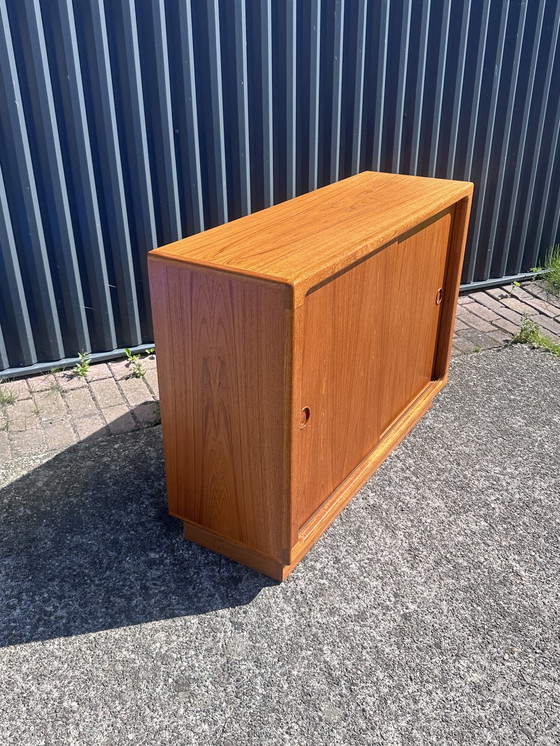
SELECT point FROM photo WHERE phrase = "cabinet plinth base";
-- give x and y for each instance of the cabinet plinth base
(236, 551)
(322, 519)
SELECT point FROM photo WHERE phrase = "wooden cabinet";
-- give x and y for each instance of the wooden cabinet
(295, 348)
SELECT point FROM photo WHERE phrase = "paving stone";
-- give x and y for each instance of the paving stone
(516, 305)
(148, 414)
(503, 311)
(119, 419)
(507, 326)
(533, 286)
(5, 449)
(40, 383)
(98, 372)
(20, 388)
(537, 303)
(60, 434)
(106, 392)
(464, 300)
(502, 337)
(510, 289)
(497, 293)
(484, 341)
(540, 290)
(149, 363)
(135, 391)
(490, 302)
(22, 415)
(50, 404)
(461, 346)
(91, 427)
(460, 324)
(28, 442)
(67, 380)
(474, 321)
(80, 403)
(152, 381)
(119, 369)
(551, 326)
(483, 311)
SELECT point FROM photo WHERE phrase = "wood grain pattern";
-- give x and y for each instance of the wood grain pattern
(223, 365)
(322, 518)
(368, 351)
(305, 240)
(411, 275)
(295, 348)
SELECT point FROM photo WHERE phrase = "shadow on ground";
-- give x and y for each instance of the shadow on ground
(86, 544)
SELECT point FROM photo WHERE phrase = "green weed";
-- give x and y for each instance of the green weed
(530, 333)
(133, 364)
(84, 362)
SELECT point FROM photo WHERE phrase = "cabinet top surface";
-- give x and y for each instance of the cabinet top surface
(304, 240)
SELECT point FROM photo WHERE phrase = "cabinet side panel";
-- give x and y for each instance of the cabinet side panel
(222, 350)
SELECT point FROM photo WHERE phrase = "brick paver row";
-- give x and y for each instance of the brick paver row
(490, 318)
(55, 411)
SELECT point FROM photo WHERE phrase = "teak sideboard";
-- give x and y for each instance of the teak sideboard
(296, 347)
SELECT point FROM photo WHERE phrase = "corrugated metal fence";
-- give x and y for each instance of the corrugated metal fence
(127, 124)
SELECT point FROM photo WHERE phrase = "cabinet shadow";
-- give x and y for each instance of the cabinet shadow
(87, 544)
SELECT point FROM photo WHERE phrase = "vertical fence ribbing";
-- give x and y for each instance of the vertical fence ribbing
(22, 170)
(495, 197)
(488, 128)
(439, 86)
(401, 86)
(243, 104)
(457, 94)
(420, 86)
(129, 123)
(359, 87)
(15, 316)
(383, 42)
(532, 192)
(520, 150)
(314, 81)
(107, 142)
(51, 168)
(266, 98)
(79, 165)
(189, 100)
(336, 112)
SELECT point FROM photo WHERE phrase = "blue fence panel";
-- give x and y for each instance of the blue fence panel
(126, 124)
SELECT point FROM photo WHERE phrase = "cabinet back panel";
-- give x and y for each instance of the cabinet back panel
(368, 344)
(223, 368)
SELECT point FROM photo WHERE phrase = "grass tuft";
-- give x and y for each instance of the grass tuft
(7, 396)
(552, 266)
